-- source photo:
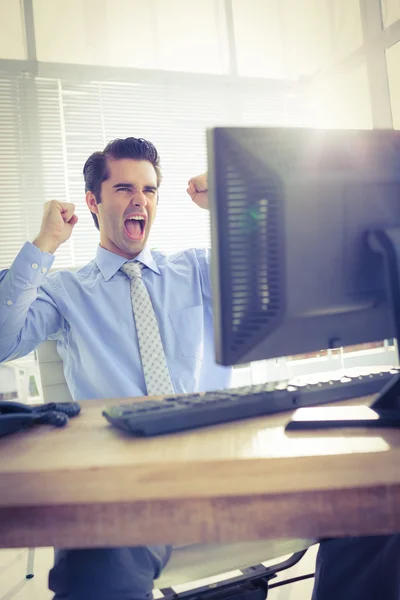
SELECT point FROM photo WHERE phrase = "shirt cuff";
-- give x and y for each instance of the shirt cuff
(32, 265)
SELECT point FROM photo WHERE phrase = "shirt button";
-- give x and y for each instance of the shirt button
(9, 302)
(44, 270)
(34, 265)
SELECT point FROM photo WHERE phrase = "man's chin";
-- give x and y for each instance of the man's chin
(134, 249)
(126, 248)
(135, 246)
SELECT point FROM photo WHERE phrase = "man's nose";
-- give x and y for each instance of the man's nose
(139, 199)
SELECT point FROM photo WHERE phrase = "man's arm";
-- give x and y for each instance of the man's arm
(28, 315)
(198, 191)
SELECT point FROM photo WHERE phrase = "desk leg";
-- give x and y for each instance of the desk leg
(31, 561)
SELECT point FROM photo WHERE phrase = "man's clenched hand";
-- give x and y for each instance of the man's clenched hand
(58, 221)
(198, 190)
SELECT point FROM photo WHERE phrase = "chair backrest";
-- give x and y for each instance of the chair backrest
(55, 388)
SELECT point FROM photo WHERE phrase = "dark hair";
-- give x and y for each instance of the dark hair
(96, 169)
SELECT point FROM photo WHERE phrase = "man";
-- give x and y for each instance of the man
(91, 315)
(99, 317)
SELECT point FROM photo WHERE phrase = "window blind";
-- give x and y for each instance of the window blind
(19, 178)
(48, 142)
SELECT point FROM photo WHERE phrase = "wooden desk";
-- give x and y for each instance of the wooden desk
(90, 485)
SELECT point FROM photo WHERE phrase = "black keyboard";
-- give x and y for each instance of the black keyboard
(187, 411)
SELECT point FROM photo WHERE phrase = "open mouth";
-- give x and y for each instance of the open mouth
(135, 226)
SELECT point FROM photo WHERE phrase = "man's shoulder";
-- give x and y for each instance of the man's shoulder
(71, 274)
(188, 256)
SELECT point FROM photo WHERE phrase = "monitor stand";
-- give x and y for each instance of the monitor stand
(385, 410)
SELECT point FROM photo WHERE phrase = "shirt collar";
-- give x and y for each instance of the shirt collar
(109, 262)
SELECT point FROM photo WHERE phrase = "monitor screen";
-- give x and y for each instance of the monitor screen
(291, 214)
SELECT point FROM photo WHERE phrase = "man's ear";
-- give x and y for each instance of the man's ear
(92, 203)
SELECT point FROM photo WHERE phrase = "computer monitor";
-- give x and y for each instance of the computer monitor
(291, 209)
(297, 219)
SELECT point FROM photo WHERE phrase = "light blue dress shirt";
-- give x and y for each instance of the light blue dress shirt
(89, 313)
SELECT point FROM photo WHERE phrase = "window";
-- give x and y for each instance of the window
(43, 158)
(308, 33)
(12, 41)
(341, 101)
(393, 67)
(258, 38)
(348, 35)
(191, 36)
(95, 32)
(390, 11)
(178, 35)
(15, 168)
(281, 39)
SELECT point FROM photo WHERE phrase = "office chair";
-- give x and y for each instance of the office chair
(246, 567)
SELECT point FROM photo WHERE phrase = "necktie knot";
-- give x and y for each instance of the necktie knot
(132, 269)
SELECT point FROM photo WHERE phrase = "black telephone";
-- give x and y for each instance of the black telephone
(15, 416)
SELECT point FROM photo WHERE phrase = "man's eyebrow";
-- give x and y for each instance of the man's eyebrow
(132, 186)
(127, 185)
